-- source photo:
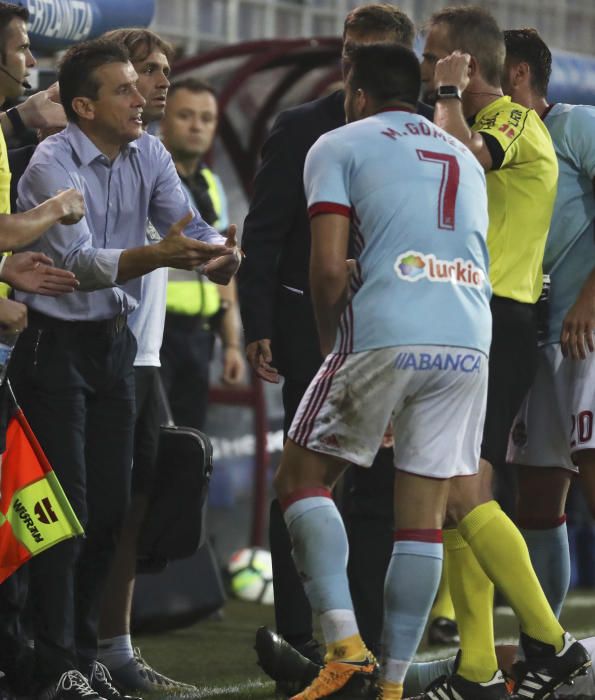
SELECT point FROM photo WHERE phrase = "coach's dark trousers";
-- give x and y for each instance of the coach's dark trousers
(75, 383)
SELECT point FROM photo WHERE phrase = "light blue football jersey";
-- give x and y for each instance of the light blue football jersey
(418, 205)
(570, 248)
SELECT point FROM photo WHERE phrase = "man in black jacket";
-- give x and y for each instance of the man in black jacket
(282, 339)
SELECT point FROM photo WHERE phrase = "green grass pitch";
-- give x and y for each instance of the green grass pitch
(217, 655)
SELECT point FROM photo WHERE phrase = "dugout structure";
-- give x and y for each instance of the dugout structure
(255, 81)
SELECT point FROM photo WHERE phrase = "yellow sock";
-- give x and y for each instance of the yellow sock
(348, 649)
(391, 691)
(443, 606)
(503, 554)
(473, 597)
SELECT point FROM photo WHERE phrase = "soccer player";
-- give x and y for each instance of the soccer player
(552, 438)
(282, 339)
(406, 335)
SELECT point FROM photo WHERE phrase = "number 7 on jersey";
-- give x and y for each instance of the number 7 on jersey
(449, 185)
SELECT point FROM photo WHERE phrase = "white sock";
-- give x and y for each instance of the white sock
(394, 671)
(115, 652)
(337, 625)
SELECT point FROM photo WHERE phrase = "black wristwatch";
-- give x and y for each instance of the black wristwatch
(448, 92)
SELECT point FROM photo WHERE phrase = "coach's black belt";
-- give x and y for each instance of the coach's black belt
(110, 326)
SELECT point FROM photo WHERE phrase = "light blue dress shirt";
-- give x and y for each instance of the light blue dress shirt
(140, 184)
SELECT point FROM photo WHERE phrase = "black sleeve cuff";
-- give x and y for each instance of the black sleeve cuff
(495, 149)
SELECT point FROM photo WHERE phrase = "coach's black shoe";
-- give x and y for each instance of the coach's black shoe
(545, 670)
(292, 670)
(101, 682)
(456, 687)
(443, 631)
(71, 686)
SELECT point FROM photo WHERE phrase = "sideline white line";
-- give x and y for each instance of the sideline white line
(234, 689)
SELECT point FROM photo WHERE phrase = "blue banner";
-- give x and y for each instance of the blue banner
(56, 24)
(573, 78)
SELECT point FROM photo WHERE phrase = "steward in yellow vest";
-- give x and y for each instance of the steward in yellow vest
(189, 293)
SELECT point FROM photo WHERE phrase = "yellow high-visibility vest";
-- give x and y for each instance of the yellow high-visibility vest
(188, 293)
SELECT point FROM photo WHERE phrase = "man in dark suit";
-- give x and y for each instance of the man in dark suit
(282, 339)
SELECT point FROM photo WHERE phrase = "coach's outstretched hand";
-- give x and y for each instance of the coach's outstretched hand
(35, 273)
(221, 269)
(187, 253)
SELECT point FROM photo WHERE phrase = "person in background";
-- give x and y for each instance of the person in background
(197, 308)
(150, 56)
(552, 437)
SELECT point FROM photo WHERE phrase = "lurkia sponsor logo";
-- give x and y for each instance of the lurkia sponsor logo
(413, 266)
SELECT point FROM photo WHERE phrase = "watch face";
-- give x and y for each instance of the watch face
(448, 91)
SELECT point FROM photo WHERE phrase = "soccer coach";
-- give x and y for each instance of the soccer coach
(74, 364)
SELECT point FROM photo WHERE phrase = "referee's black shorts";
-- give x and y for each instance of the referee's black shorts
(513, 357)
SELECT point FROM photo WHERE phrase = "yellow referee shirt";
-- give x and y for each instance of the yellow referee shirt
(521, 192)
(4, 194)
(4, 177)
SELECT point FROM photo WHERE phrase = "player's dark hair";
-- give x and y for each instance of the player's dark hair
(194, 85)
(526, 46)
(474, 30)
(140, 43)
(77, 76)
(386, 72)
(380, 18)
(8, 12)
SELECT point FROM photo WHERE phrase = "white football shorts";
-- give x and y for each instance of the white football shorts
(435, 396)
(556, 418)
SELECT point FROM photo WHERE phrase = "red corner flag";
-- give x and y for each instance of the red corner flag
(34, 511)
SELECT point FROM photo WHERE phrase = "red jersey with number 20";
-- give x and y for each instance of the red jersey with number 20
(417, 200)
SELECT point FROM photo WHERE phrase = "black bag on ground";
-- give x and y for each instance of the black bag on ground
(183, 593)
(174, 526)
(178, 580)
